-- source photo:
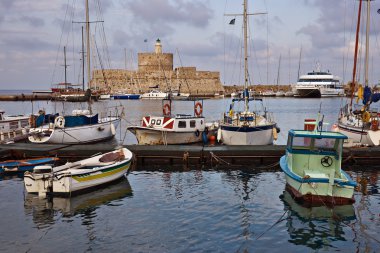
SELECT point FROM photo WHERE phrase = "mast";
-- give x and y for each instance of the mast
(65, 65)
(245, 17)
(366, 66)
(82, 60)
(278, 72)
(299, 63)
(88, 45)
(356, 53)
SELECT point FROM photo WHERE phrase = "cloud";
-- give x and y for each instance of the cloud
(165, 12)
(33, 21)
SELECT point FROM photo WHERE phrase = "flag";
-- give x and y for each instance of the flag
(146, 40)
(232, 22)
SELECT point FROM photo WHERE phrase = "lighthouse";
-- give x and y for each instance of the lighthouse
(158, 47)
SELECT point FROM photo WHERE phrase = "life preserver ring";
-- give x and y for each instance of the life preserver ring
(374, 125)
(366, 116)
(198, 109)
(59, 122)
(197, 133)
(166, 109)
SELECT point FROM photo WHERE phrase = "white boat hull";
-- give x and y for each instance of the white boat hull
(149, 136)
(259, 135)
(359, 135)
(106, 129)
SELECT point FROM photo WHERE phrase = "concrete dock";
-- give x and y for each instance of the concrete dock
(181, 154)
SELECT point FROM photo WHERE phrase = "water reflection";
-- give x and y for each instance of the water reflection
(316, 227)
(44, 211)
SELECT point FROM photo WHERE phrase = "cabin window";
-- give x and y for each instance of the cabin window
(301, 142)
(192, 123)
(158, 122)
(153, 121)
(181, 124)
(325, 144)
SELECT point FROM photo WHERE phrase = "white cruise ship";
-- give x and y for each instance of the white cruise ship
(319, 84)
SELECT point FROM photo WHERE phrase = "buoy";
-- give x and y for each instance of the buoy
(204, 138)
(113, 129)
(212, 138)
(219, 136)
(275, 136)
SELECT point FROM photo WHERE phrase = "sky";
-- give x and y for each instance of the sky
(197, 32)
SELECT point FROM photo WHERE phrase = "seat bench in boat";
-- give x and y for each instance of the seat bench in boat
(315, 174)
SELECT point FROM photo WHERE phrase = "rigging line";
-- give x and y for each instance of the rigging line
(180, 61)
(60, 41)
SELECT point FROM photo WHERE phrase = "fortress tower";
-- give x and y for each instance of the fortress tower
(157, 61)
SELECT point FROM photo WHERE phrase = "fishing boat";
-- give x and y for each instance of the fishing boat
(72, 178)
(12, 126)
(312, 167)
(246, 127)
(173, 128)
(360, 122)
(17, 166)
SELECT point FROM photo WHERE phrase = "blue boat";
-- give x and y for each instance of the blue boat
(18, 166)
(126, 96)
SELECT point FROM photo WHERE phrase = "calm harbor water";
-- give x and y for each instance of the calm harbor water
(161, 209)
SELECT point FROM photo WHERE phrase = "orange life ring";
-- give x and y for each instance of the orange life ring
(198, 109)
(166, 109)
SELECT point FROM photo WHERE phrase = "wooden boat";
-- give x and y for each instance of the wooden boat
(173, 129)
(16, 166)
(78, 128)
(312, 167)
(76, 177)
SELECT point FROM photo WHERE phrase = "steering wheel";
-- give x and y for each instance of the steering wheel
(326, 161)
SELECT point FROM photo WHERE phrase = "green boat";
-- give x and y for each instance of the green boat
(312, 166)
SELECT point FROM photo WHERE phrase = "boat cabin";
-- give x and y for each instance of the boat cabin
(179, 123)
(315, 154)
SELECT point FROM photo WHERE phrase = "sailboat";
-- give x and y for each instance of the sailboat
(361, 125)
(82, 126)
(246, 127)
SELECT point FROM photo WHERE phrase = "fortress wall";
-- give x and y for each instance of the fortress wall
(198, 82)
(154, 62)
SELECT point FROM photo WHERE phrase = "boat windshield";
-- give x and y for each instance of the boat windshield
(315, 145)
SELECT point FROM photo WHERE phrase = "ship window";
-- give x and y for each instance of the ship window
(181, 124)
(301, 142)
(158, 122)
(192, 123)
(153, 121)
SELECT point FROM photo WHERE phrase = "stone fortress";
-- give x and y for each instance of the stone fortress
(156, 70)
